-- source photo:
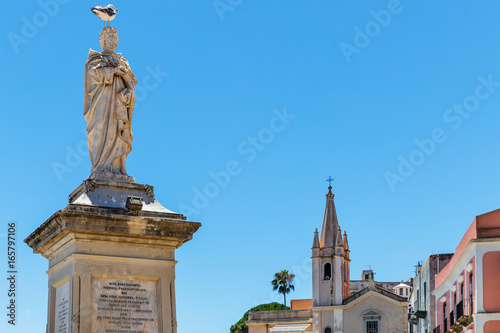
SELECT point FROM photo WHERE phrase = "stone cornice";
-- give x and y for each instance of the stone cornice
(144, 228)
(109, 259)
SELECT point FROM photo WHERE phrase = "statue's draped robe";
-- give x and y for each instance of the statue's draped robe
(108, 107)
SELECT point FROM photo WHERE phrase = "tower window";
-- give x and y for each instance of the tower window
(327, 275)
(328, 330)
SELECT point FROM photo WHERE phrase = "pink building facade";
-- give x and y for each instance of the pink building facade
(467, 290)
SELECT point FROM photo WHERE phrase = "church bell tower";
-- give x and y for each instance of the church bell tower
(330, 259)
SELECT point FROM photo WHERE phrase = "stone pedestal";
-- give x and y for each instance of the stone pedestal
(111, 268)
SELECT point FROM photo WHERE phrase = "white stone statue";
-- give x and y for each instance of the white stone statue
(108, 107)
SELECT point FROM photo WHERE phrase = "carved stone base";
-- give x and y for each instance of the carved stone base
(109, 270)
(113, 194)
(112, 176)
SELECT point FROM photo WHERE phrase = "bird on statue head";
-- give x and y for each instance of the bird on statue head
(105, 13)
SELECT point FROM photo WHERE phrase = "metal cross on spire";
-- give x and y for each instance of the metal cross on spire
(330, 180)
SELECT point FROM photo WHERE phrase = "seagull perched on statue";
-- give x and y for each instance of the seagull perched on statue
(105, 13)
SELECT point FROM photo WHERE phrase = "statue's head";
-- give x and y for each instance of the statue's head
(109, 39)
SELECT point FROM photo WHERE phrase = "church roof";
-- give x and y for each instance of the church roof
(330, 232)
(376, 289)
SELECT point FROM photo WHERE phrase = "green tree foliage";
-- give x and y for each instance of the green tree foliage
(241, 327)
(283, 282)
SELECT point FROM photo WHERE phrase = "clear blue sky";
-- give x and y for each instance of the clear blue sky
(359, 101)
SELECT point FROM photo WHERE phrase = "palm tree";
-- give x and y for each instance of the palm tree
(283, 282)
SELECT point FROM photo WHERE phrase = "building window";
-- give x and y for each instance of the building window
(327, 275)
(461, 291)
(372, 326)
(455, 306)
(371, 320)
(328, 330)
(367, 277)
(445, 317)
(452, 314)
(425, 296)
(471, 295)
(418, 300)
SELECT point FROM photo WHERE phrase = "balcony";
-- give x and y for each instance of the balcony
(421, 314)
(458, 321)
(412, 319)
(465, 320)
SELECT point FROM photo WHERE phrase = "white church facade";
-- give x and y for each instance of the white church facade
(373, 308)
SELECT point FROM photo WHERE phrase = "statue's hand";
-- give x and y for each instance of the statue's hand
(125, 95)
(120, 70)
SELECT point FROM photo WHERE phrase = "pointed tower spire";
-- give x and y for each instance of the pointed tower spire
(344, 242)
(330, 223)
(316, 239)
(330, 261)
(338, 240)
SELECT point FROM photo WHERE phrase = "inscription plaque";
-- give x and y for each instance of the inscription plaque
(62, 309)
(124, 306)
